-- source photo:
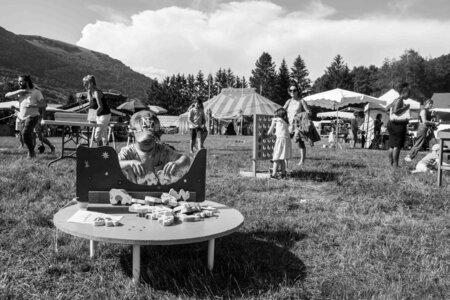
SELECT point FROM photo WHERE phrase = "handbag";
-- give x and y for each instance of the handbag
(403, 117)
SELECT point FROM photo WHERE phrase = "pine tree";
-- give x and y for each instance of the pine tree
(283, 82)
(263, 76)
(299, 74)
(221, 79)
(337, 75)
(201, 86)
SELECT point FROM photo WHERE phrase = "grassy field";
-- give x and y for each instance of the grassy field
(344, 226)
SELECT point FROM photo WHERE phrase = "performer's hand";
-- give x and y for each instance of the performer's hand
(138, 168)
(170, 168)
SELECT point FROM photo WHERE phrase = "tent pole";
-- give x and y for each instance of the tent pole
(242, 118)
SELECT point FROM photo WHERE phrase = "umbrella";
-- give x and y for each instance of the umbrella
(157, 109)
(133, 105)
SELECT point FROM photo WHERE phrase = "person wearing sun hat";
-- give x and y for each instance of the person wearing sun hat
(147, 155)
(294, 106)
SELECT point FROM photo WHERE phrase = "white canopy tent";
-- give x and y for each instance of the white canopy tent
(370, 114)
(333, 95)
(338, 98)
(391, 95)
(336, 114)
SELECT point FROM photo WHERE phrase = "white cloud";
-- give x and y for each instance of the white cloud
(108, 13)
(182, 40)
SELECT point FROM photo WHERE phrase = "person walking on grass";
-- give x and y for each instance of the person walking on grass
(98, 102)
(396, 125)
(294, 106)
(197, 125)
(29, 98)
(424, 132)
(282, 149)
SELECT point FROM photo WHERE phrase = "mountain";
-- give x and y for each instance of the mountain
(58, 67)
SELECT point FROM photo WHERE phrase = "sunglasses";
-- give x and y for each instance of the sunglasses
(292, 90)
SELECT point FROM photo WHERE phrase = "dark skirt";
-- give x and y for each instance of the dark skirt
(397, 134)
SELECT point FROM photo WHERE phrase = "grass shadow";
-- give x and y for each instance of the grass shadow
(348, 164)
(319, 158)
(319, 176)
(244, 266)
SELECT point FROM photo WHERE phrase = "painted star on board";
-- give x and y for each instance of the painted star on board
(86, 164)
(105, 155)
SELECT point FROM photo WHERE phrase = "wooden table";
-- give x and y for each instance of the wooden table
(72, 138)
(443, 136)
(137, 231)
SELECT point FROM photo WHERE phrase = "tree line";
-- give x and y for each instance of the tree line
(425, 76)
(176, 93)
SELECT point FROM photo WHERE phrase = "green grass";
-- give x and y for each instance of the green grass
(345, 226)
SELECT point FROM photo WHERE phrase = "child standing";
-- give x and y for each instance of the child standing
(283, 147)
(429, 162)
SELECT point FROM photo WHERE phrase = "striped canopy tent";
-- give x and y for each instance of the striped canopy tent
(233, 103)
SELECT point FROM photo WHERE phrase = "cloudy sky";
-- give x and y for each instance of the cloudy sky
(163, 37)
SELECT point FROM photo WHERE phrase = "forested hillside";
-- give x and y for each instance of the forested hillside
(58, 67)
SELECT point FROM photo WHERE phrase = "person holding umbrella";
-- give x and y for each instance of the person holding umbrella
(98, 103)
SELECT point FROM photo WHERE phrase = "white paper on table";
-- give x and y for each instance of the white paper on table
(84, 216)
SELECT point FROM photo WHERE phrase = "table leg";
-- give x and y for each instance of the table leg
(441, 144)
(91, 142)
(92, 245)
(211, 254)
(136, 263)
(56, 240)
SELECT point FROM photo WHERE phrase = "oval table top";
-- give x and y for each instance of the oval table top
(141, 231)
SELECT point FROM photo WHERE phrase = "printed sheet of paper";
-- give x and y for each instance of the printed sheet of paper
(88, 217)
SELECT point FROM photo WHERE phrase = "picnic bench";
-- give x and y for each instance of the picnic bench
(76, 130)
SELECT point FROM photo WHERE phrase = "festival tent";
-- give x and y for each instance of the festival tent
(441, 101)
(441, 108)
(362, 99)
(169, 121)
(338, 98)
(333, 95)
(391, 95)
(336, 114)
(370, 113)
(234, 103)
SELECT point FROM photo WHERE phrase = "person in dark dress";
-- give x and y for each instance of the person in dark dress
(397, 128)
